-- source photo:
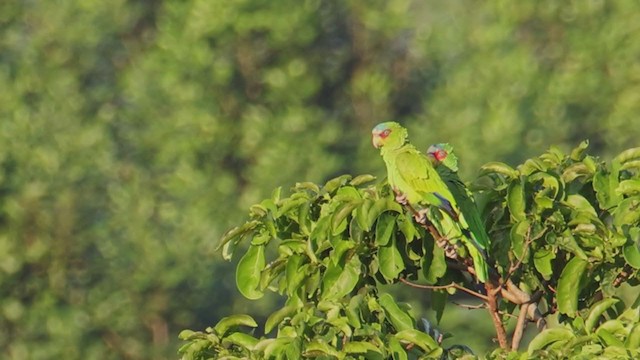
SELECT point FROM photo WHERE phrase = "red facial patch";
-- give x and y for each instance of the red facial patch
(385, 133)
(440, 154)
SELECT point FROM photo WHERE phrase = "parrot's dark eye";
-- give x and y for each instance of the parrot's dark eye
(385, 133)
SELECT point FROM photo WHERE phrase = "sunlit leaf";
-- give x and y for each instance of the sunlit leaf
(240, 339)
(384, 228)
(398, 317)
(631, 251)
(499, 168)
(228, 322)
(569, 286)
(516, 200)
(338, 281)
(417, 337)
(596, 312)
(248, 272)
(548, 337)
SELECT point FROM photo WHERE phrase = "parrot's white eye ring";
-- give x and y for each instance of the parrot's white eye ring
(385, 133)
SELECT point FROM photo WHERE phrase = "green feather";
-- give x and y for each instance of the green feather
(413, 174)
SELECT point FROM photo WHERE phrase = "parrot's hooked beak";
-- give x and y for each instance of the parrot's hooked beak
(376, 139)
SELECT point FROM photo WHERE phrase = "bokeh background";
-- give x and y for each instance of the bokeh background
(134, 133)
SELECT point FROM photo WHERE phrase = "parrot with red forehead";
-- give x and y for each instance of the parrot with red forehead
(446, 164)
(412, 174)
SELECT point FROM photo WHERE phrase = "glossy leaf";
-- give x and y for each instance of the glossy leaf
(596, 312)
(548, 337)
(249, 271)
(631, 251)
(277, 317)
(384, 228)
(516, 200)
(499, 168)
(240, 339)
(232, 321)
(569, 286)
(390, 260)
(398, 317)
(339, 281)
(418, 338)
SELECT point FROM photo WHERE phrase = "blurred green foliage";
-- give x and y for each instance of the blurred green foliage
(133, 133)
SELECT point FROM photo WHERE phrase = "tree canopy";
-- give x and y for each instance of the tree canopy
(133, 134)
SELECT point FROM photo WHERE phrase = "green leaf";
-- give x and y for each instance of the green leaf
(335, 183)
(338, 281)
(434, 263)
(384, 228)
(406, 226)
(294, 276)
(438, 303)
(379, 207)
(608, 338)
(186, 334)
(498, 168)
(633, 340)
(277, 317)
(628, 187)
(519, 234)
(516, 200)
(395, 348)
(400, 319)
(362, 179)
(249, 270)
(580, 203)
(577, 154)
(630, 250)
(627, 212)
(241, 339)
(542, 259)
(413, 336)
(390, 260)
(548, 337)
(317, 348)
(569, 286)
(237, 233)
(228, 322)
(627, 155)
(338, 222)
(596, 312)
(360, 347)
(605, 184)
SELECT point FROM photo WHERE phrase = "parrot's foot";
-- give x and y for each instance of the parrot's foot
(450, 250)
(421, 216)
(400, 197)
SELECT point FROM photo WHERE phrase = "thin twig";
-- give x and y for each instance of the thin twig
(444, 287)
(471, 307)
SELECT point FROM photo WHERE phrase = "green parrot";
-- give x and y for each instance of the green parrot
(412, 174)
(446, 164)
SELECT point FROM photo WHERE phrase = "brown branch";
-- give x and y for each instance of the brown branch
(520, 325)
(492, 302)
(444, 287)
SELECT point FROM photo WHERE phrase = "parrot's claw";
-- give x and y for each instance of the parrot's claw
(421, 216)
(400, 197)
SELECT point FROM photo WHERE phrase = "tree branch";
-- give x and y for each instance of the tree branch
(444, 287)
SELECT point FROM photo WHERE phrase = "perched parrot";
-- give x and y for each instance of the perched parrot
(446, 164)
(412, 174)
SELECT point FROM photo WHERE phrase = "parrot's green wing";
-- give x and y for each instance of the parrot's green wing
(467, 205)
(423, 185)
